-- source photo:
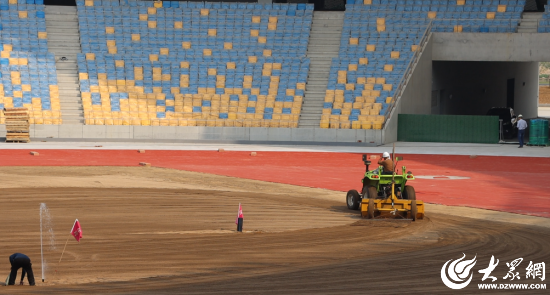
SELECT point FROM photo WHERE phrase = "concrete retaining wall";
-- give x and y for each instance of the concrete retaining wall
(229, 134)
(491, 46)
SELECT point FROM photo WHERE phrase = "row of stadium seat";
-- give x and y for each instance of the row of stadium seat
(544, 24)
(28, 76)
(379, 39)
(409, 3)
(194, 5)
(193, 66)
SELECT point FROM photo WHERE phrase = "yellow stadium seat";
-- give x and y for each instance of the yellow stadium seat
(432, 14)
(371, 47)
(501, 8)
(460, 2)
(205, 12)
(366, 125)
(490, 15)
(151, 10)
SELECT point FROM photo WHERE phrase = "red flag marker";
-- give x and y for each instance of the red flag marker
(76, 232)
(239, 220)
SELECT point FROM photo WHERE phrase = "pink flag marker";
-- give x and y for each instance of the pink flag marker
(76, 231)
(239, 220)
(239, 214)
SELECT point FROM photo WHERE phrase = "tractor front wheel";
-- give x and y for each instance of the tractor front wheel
(409, 193)
(352, 199)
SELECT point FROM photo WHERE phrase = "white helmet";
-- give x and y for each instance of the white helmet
(385, 155)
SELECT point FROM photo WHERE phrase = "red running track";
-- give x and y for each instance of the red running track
(512, 184)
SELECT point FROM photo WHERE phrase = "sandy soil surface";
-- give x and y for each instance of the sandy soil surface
(162, 231)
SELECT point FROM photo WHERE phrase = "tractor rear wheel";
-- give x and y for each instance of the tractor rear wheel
(370, 210)
(352, 199)
(414, 210)
(371, 192)
(409, 193)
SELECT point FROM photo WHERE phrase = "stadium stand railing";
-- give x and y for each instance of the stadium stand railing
(174, 63)
(27, 69)
(407, 73)
(379, 42)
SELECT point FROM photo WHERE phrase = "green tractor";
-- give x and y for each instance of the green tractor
(386, 195)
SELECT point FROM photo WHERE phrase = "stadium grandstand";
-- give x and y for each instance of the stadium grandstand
(27, 69)
(325, 71)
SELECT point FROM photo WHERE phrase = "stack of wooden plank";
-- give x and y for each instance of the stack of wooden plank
(17, 124)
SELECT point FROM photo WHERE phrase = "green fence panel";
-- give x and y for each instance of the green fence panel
(448, 128)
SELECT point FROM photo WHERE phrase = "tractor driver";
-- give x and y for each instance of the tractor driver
(387, 163)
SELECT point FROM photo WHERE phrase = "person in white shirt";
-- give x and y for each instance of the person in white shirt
(522, 125)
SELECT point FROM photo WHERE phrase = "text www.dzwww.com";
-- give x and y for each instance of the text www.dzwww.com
(512, 286)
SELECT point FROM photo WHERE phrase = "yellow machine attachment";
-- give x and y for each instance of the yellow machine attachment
(392, 207)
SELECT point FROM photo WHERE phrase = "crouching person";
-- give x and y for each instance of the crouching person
(17, 261)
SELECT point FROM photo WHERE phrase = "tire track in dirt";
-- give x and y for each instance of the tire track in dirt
(294, 245)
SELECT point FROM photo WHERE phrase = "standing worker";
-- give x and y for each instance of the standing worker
(522, 125)
(387, 163)
(18, 261)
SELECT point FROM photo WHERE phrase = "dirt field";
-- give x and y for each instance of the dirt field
(162, 231)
